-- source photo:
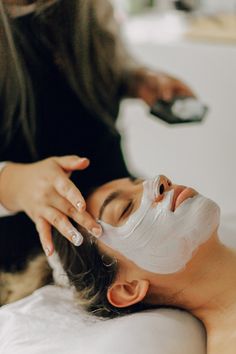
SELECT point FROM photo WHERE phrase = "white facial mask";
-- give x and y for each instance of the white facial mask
(158, 239)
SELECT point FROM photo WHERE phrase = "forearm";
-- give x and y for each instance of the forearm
(131, 79)
(128, 82)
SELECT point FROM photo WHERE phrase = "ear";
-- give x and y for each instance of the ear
(127, 293)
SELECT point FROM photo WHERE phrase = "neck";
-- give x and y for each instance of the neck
(207, 287)
(211, 296)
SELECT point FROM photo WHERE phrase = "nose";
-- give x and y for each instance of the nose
(164, 186)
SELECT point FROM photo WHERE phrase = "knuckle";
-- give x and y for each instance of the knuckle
(66, 189)
(57, 182)
(87, 224)
(43, 184)
(49, 161)
(45, 194)
(63, 186)
(32, 215)
(57, 220)
(70, 210)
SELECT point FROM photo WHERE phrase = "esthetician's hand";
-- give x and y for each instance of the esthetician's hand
(152, 86)
(45, 193)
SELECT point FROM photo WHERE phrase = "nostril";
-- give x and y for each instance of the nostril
(161, 188)
(169, 183)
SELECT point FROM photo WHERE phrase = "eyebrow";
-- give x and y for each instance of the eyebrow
(114, 195)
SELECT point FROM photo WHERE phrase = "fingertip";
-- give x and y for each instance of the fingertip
(167, 96)
(84, 161)
(49, 250)
(80, 163)
(81, 206)
(76, 238)
(97, 231)
(74, 161)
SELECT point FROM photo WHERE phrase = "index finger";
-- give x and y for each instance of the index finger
(66, 188)
(183, 89)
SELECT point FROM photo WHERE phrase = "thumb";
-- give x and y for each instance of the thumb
(72, 162)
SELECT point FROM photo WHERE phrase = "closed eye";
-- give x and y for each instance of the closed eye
(127, 210)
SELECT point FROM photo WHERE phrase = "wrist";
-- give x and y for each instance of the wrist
(132, 78)
(7, 183)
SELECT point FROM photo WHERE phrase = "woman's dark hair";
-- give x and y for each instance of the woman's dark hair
(91, 273)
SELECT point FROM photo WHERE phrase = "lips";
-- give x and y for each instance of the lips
(180, 195)
(178, 191)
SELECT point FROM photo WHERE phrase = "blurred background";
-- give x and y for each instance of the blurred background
(194, 40)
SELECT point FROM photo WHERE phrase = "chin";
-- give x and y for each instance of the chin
(203, 213)
(211, 217)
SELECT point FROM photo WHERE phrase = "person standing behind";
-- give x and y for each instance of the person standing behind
(63, 72)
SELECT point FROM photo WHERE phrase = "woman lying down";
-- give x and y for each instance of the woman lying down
(159, 247)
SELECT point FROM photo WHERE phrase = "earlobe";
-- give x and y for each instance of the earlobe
(128, 293)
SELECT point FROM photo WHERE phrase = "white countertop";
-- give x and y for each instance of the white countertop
(174, 27)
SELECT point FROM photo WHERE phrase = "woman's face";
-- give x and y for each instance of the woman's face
(116, 201)
(152, 228)
(154, 223)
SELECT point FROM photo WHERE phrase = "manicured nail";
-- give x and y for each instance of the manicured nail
(96, 231)
(80, 206)
(76, 238)
(83, 159)
(47, 251)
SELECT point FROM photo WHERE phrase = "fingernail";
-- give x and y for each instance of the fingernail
(47, 251)
(76, 238)
(83, 159)
(80, 206)
(96, 231)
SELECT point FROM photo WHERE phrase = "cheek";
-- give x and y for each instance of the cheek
(104, 249)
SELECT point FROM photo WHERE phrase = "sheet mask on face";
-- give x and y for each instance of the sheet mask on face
(158, 239)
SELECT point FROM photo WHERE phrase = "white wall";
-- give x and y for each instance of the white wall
(204, 155)
(218, 5)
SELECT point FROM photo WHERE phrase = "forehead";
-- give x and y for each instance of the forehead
(96, 199)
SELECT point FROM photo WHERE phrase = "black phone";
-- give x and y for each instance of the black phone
(180, 110)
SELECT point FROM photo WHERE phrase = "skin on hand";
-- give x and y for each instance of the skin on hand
(45, 193)
(152, 86)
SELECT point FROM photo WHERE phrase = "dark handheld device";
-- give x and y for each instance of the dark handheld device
(180, 110)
